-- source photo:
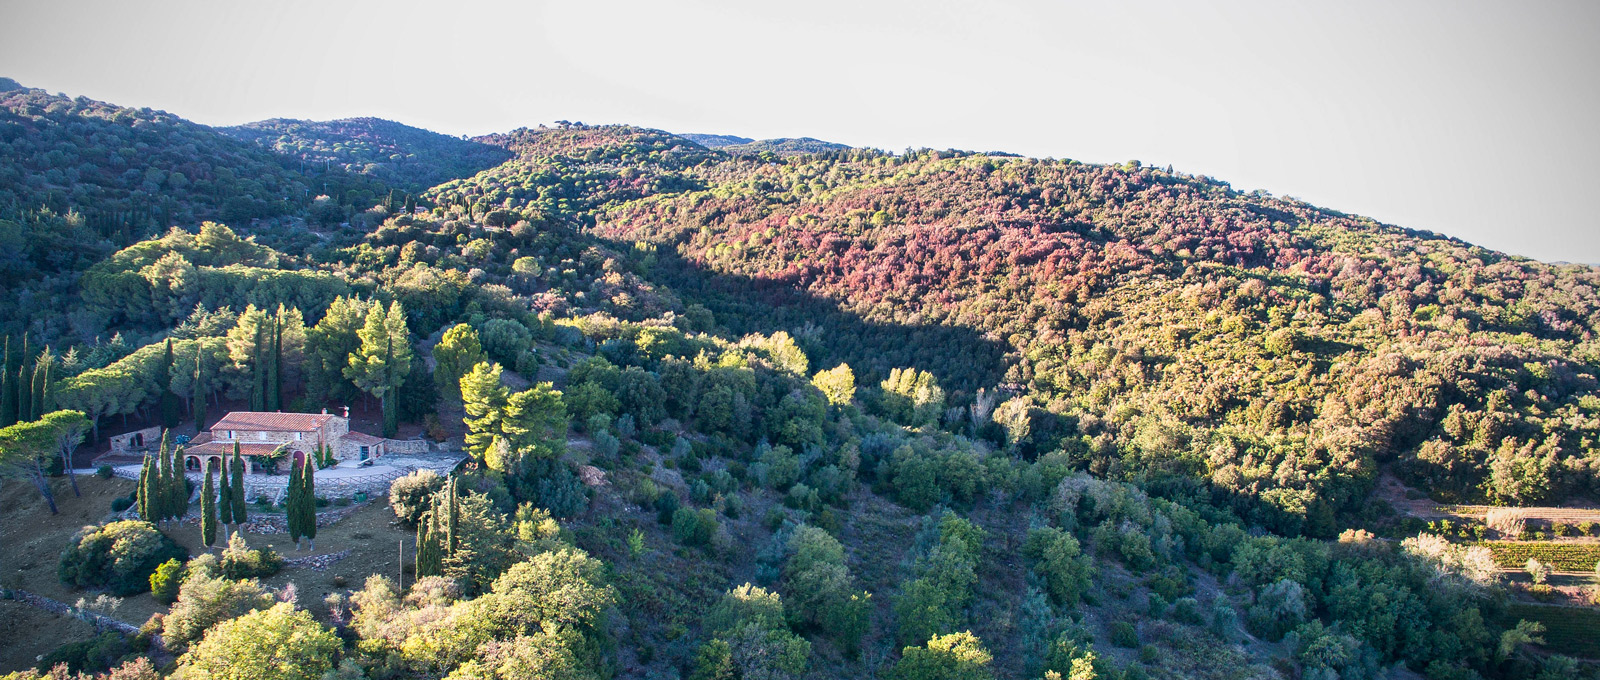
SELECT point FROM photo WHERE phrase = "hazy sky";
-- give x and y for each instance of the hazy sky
(1472, 119)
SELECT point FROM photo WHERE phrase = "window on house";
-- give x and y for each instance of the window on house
(297, 436)
(230, 434)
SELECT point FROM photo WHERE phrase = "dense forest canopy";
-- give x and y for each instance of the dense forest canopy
(785, 408)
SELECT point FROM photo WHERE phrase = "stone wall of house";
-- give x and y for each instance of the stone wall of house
(331, 432)
(123, 443)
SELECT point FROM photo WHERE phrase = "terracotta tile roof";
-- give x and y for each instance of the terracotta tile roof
(226, 449)
(202, 438)
(272, 422)
(362, 438)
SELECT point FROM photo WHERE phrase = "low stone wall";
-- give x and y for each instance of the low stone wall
(407, 446)
(100, 622)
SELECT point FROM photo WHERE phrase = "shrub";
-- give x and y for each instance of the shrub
(694, 527)
(1186, 610)
(1058, 558)
(204, 599)
(119, 556)
(411, 495)
(666, 507)
(121, 503)
(1123, 634)
(94, 654)
(166, 579)
(104, 472)
(957, 655)
(280, 643)
(240, 561)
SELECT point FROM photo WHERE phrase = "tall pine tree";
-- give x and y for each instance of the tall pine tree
(383, 361)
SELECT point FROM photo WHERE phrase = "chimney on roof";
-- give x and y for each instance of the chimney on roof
(324, 410)
(347, 412)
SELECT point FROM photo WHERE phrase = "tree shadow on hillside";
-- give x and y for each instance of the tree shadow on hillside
(961, 358)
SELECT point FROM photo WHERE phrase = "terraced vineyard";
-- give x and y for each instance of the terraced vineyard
(1562, 556)
(1568, 630)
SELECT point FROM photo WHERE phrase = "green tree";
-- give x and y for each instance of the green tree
(307, 509)
(328, 348)
(248, 343)
(1058, 559)
(197, 401)
(208, 506)
(457, 353)
(24, 448)
(957, 656)
(8, 388)
(838, 384)
(381, 364)
(293, 498)
(750, 638)
(171, 410)
(533, 426)
(484, 400)
(821, 589)
(67, 429)
(147, 490)
(224, 503)
(280, 643)
(241, 509)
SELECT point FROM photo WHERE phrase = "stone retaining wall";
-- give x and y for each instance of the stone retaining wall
(100, 622)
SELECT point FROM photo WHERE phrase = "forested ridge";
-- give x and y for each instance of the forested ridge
(784, 408)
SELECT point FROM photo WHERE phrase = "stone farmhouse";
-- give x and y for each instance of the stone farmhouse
(265, 437)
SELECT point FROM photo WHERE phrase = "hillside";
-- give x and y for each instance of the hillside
(811, 411)
(409, 158)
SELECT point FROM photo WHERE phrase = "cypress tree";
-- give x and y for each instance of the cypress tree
(24, 384)
(308, 504)
(257, 378)
(170, 412)
(180, 490)
(147, 481)
(47, 395)
(8, 397)
(161, 488)
(197, 402)
(452, 526)
(429, 561)
(224, 496)
(422, 550)
(241, 510)
(38, 391)
(208, 507)
(24, 394)
(291, 504)
(275, 363)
